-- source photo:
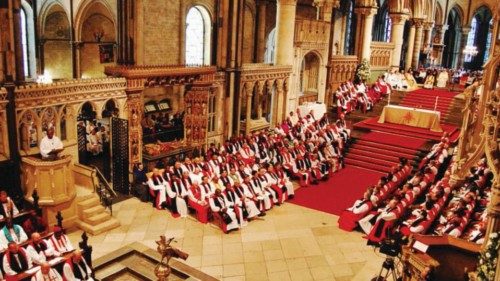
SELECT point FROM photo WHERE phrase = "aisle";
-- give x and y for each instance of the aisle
(338, 193)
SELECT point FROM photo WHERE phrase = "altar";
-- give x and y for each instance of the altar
(415, 117)
(319, 109)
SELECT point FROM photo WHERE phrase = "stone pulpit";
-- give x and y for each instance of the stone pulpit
(53, 181)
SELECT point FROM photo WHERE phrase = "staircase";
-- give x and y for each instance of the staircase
(368, 153)
(92, 217)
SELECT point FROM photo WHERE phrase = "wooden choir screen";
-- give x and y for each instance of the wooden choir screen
(196, 116)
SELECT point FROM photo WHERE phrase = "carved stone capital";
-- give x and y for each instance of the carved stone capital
(249, 89)
(428, 25)
(366, 11)
(465, 30)
(287, 2)
(399, 18)
(417, 22)
(260, 87)
(279, 85)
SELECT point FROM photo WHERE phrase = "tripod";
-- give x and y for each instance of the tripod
(388, 269)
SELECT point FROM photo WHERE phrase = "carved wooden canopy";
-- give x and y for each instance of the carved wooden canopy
(155, 75)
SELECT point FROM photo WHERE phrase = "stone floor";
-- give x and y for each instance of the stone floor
(290, 243)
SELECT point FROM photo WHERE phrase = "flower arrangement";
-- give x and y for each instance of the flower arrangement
(362, 71)
(488, 259)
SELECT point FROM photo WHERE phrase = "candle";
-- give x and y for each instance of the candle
(389, 99)
(436, 104)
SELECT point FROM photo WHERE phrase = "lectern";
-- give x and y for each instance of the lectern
(449, 257)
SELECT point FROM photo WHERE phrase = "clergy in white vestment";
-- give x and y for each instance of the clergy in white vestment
(157, 184)
(46, 273)
(8, 207)
(442, 79)
(16, 260)
(11, 233)
(178, 196)
(76, 268)
(218, 205)
(40, 250)
(60, 242)
(51, 145)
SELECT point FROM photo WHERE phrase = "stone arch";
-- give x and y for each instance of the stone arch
(95, 22)
(28, 126)
(208, 6)
(452, 38)
(438, 17)
(46, 9)
(309, 74)
(107, 106)
(83, 106)
(249, 20)
(55, 30)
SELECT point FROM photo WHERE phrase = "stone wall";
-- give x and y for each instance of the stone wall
(161, 31)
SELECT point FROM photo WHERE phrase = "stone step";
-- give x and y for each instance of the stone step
(99, 228)
(90, 212)
(89, 203)
(97, 219)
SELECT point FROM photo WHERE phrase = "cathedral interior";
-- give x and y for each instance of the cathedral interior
(260, 139)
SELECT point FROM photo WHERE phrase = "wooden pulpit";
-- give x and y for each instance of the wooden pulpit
(449, 258)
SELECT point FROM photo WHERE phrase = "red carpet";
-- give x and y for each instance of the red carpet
(379, 151)
(424, 98)
(408, 131)
(338, 193)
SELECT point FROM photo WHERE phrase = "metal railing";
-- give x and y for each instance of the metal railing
(103, 189)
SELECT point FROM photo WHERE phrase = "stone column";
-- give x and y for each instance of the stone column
(438, 43)
(280, 91)
(260, 95)
(463, 43)
(248, 95)
(398, 28)
(418, 42)
(285, 29)
(366, 14)
(261, 31)
(427, 34)
(411, 41)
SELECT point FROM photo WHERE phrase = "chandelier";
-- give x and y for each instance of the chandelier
(470, 51)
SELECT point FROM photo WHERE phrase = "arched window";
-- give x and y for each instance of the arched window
(28, 39)
(382, 24)
(198, 27)
(471, 39)
(350, 28)
(270, 47)
(24, 42)
(488, 41)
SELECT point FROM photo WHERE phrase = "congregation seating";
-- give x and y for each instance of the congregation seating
(247, 176)
(424, 203)
(350, 96)
(24, 234)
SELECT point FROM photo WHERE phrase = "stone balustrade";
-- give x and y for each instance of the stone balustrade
(381, 55)
(259, 82)
(311, 32)
(342, 68)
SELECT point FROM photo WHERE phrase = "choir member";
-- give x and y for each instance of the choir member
(76, 268)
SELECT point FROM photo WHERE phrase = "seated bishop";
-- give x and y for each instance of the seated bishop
(16, 260)
(8, 207)
(60, 242)
(11, 233)
(76, 268)
(40, 250)
(47, 273)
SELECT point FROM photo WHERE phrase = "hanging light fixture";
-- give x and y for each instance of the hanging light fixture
(470, 51)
